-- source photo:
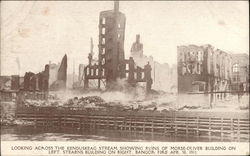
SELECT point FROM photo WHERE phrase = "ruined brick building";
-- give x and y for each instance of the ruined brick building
(137, 48)
(164, 76)
(58, 75)
(37, 82)
(53, 77)
(5, 82)
(240, 71)
(204, 69)
(112, 64)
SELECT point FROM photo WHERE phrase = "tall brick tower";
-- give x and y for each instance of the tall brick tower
(111, 42)
(111, 60)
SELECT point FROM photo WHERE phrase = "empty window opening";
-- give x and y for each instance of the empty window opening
(91, 72)
(200, 56)
(103, 41)
(97, 72)
(103, 51)
(103, 20)
(142, 75)
(126, 74)
(235, 68)
(103, 72)
(103, 31)
(88, 71)
(103, 61)
(127, 66)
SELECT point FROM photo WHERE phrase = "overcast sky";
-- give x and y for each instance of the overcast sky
(39, 32)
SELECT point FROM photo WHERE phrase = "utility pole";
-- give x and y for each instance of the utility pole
(0, 61)
(154, 71)
(91, 46)
(73, 71)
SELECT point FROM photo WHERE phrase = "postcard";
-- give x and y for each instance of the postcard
(124, 78)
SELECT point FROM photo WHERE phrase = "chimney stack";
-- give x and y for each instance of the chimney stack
(116, 6)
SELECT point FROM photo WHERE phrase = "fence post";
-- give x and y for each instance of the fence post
(97, 123)
(115, 123)
(238, 130)
(72, 123)
(124, 123)
(83, 123)
(107, 123)
(221, 130)
(232, 129)
(164, 124)
(135, 124)
(175, 127)
(186, 127)
(172, 126)
(80, 123)
(144, 120)
(47, 122)
(94, 123)
(36, 123)
(152, 126)
(209, 132)
(59, 122)
(130, 122)
(198, 127)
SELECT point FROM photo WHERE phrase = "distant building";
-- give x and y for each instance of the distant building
(240, 71)
(164, 76)
(205, 64)
(53, 77)
(5, 82)
(137, 48)
(58, 75)
(53, 71)
(203, 69)
(37, 82)
(15, 82)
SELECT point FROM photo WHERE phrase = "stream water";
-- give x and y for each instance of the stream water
(31, 133)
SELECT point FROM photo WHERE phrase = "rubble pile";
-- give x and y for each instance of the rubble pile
(7, 119)
(164, 103)
(86, 102)
(40, 103)
(188, 107)
(10, 120)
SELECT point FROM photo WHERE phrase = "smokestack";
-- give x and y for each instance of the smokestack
(116, 6)
(0, 62)
(91, 46)
(18, 65)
